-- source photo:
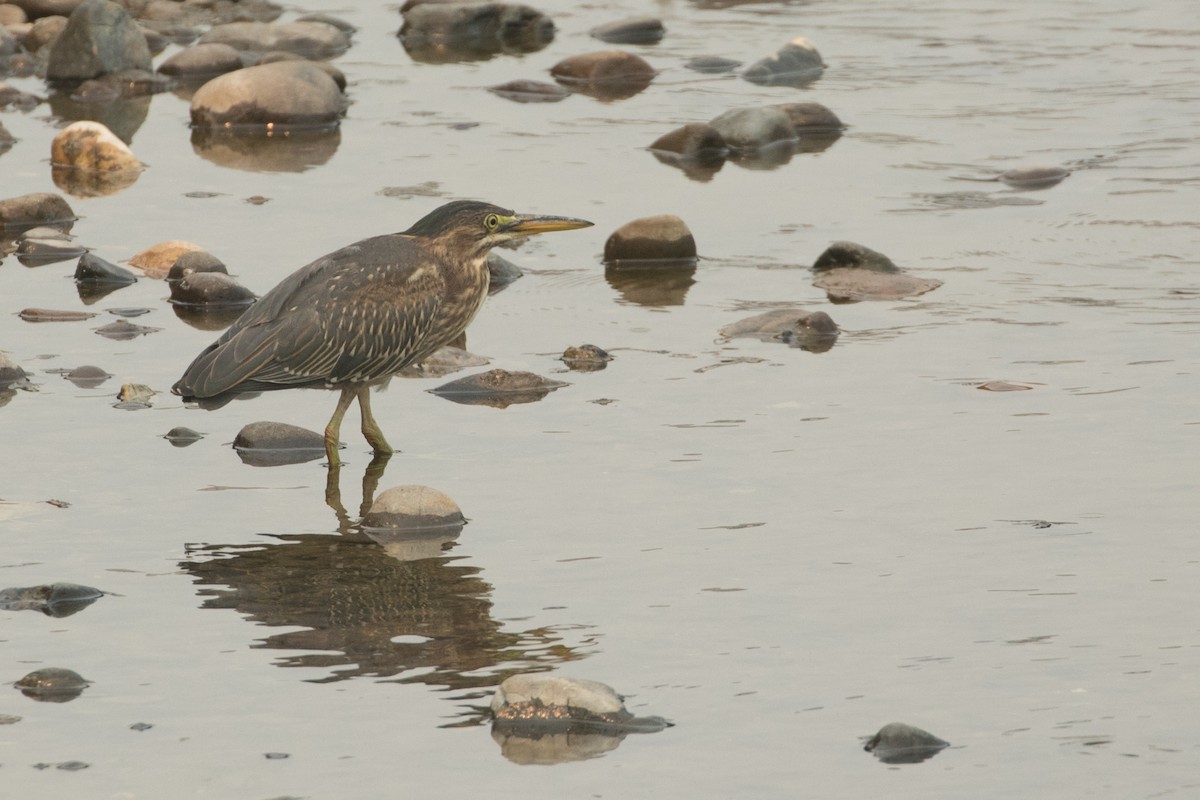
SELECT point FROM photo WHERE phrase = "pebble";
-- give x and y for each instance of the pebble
(638, 30)
(39, 208)
(797, 63)
(53, 315)
(1034, 177)
(755, 127)
(665, 237)
(712, 65)
(527, 91)
(696, 140)
(182, 437)
(811, 118)
(850, 272)
(898, 743)
(100, 37)
(87, 376)
(498, 388)
(35, 252)
(606, 75)
(266, 443)
(52, 684)
(539, 700)
(202, 62)
(413, 508)
(1003, 386)
(852, 254)
(586, 358)
(53, 600)
(123, 330)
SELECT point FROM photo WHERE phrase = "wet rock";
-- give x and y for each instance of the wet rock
(96, 91)
(665, 237)
(182, 437)
(134, 397)
(53, 600)
(269, 444)
(639, 30)
(811, 118)
(413, 508)
(444, 361)
(498, 388)
(1003, 386)
(31, 210)
(44, 32)
(501, 272)
(696, 140)
(35, 9)
(11, 375)
(797, 63)
(100, 37)
(448, 32)
(586, 358)
(286, 94)
(316, 40)
(898, 743)
(87, 376)
(123, 330)
(526, 91)
(325, 19)
(607, 75)
(814, 331)
(851, 254)
(712, 65)
(1034, 177)
(195, 261)
(14, 98)
(12, 15)
(754, 128)
(93, 270)
(156, 261)
(53, 315)
(202, 62)
(90, 146)
(274, 56)
(546, 704)
(9, 719)
(210, 289)
(52, 685)
(40, 248)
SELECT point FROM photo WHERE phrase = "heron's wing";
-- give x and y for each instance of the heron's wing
(357, 314)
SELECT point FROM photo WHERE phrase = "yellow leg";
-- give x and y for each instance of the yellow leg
(335, 425)
(370, 428)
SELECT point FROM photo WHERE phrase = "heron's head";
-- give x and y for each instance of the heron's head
(469, 228)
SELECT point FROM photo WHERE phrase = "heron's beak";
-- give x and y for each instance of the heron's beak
(528, 224)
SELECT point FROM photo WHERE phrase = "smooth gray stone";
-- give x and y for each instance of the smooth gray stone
(899, 743)
(93, 269)
(267, 435)
(210, 289)
(795, 64)
(754, 128)
(639, 30)
(665, 237)
(195, 261)
(203, 61)
(285, 94)
(413, 508)
(39, 208)
(100, 37)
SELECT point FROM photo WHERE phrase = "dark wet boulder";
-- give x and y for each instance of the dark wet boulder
(269, 444)
(498, 388)
(286, 94)
(202, 62)
(898, 743)
(810, 118)
(754, 128)
(316, 40)
(851, 254)
(182, 437)
(52, 685)
(526, 91)
(210, 289)
(53, 600)
(460, 31)
(30, 210)
(696, 140)
(665, 237)
(92, 147)
(586, 358)
(195, 261)
(156, 260)
(814, 331)
(11, 375)
(712, 65)
(123, 330)
(100, 37)
(87, 376)
(797, 63)
(606, 75)
(413, 508)
(638, 30)
(92, 269)
(849, 272)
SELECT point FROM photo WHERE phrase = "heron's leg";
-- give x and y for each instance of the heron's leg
(370, 428)
(335, 425)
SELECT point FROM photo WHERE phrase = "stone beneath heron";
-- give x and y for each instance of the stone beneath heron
(269, 444)
(279, 96)
(637, 30)
(899, 743)
(312, 39)
(661, 238)
(54, 599)
(100, 37)
(498, 388)
(52, 685)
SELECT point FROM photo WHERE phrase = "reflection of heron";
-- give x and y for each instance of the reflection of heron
(353, 318)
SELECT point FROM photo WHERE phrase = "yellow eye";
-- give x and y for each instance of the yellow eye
(491, 222)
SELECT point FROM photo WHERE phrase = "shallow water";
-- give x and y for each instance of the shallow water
(779, 551)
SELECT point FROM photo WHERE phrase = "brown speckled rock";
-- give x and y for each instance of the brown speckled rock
(662, 237)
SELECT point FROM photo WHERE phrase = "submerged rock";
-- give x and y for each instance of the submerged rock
(1034, 177)
(814, 331)
(87, 376)
(607, 75)
(282, 95)
(269, 444)
(526, 91)
(413, 508)
(195, 261)
(100, 37)
(712, 65)
(182, 437)
(638, 30)
(123, 330)
(52, 685)
(448, 32)
(898, 743)
(30, 210)
(811, 118)
(696, 140)
(210, 289)
(53, 600)
(310, 39)
(156, 261)
(797, 63)
(46, 246)
(852, 254)
(586, 358)
(754, 128)
(849, 272)
(665, 237)
(498, 388)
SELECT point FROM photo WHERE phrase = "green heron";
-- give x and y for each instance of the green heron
(353, 318)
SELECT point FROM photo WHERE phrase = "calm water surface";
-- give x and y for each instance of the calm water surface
(777, 550)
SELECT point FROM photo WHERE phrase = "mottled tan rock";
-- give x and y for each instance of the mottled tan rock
(156, 261)
(413, 507)
(91, 146)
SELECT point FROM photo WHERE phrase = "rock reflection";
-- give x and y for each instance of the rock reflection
(663, 284)
(208, 318)
(123, 116)
(283, 151)
(443, 33)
